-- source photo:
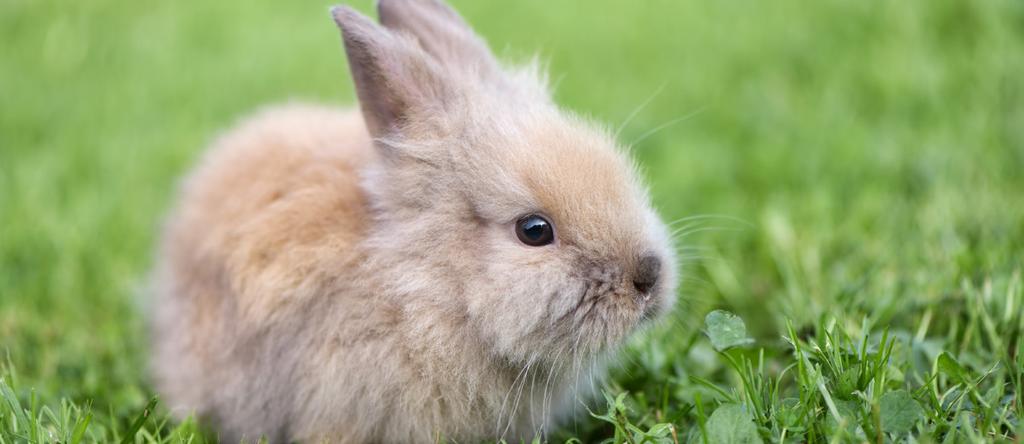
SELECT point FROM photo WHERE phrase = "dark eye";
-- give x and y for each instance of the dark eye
(534, 230)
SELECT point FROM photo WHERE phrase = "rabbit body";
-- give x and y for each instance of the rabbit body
(275, 323)
(355, 276)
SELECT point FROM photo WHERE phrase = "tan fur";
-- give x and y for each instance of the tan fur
(323, 278)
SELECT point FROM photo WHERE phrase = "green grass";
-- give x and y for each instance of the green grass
(868, 158)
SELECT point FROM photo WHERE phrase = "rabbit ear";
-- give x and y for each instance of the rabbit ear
(441, 32)
(393, 76)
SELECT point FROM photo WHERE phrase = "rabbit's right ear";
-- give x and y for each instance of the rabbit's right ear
(393, 76)
(442, 33)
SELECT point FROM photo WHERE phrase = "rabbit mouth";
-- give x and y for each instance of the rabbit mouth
(608, 312)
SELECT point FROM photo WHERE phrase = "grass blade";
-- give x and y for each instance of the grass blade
(139, 421)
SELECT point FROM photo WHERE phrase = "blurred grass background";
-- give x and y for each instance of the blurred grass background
(873, 150)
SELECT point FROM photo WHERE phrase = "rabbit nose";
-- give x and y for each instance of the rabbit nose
(647, 273)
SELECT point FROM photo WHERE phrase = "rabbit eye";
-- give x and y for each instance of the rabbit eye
(534, 230)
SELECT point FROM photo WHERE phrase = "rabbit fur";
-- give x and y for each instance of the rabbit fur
(355, 275)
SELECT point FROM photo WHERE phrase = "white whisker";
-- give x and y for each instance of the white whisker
(711, 216)
(501, 411)
(663, 126)
(519, 395)
(639, 108)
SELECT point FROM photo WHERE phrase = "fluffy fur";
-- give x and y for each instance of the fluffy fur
(355, 276)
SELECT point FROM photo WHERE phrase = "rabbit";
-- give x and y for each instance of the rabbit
(456, 259)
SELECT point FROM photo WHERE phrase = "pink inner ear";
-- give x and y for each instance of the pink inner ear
(392, 75)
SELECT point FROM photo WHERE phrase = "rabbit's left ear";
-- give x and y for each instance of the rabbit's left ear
(442, 33)
(394, 78)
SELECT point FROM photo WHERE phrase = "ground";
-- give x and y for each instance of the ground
(847, 178)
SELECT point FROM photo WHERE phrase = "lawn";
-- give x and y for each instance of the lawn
(851, 174)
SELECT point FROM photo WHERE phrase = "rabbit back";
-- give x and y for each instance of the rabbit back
(274, 207)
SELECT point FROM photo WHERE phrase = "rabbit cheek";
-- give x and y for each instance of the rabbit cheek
(512, 306)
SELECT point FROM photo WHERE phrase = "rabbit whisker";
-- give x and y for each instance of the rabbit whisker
(654, 130)
(711, 216)
(633, 114)
(501, 412)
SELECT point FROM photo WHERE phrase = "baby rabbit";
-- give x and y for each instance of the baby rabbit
(454, 260)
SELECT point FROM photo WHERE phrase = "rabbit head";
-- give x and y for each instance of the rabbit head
(522, 221)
